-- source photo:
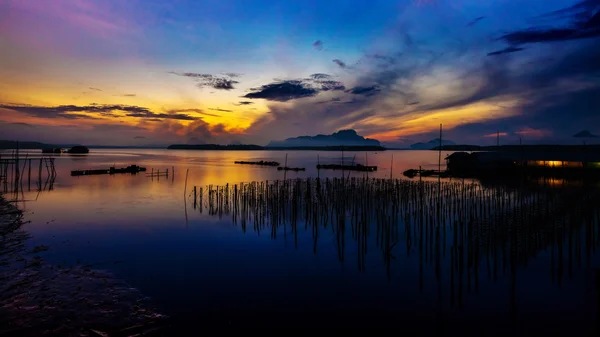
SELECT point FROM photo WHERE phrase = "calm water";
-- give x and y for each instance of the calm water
(204, 271)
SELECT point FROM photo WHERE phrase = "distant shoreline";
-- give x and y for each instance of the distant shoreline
(215, 147)
(10, 145)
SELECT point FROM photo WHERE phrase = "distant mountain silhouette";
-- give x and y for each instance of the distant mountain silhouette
(340, 138)
(584, 134)
(431, 144)
(11, 144)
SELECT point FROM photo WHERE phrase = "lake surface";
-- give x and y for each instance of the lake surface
(207, 272)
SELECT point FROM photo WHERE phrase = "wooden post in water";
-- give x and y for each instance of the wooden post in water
(16, 169)
(185, 187)
(284, 168)
(201, 194)
(173, 174)
(440, 153)
(40, 174)
(195, 196)
(29, 175)
(392, 167)
(367, 162)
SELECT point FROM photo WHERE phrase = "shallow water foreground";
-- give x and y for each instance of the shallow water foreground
(40, 299)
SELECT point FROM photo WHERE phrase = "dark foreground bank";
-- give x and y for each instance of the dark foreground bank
(39, 299)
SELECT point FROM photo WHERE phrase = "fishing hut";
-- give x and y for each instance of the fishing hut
(506, 162)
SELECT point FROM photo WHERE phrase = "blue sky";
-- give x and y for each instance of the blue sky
(158, 72)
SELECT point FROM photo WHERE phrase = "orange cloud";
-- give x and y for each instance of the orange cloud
(531, 132)
(494, 135)
(410, 124)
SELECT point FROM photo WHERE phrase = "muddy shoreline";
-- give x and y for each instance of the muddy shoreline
(40, 299)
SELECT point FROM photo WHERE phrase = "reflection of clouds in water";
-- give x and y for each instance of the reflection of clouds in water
(146, 197)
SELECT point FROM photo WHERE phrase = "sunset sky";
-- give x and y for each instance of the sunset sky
(157, 72)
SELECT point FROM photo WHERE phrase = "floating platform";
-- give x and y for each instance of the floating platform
(88, 172)
(357, 167)
(296, 169)
(425, 173)
(133, 169)
(129, 169)
(259, 163)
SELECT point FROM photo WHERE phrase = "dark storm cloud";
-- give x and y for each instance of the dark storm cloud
(78, 112)
(283, 91)
(225, 82)
(550, 35)
(585, 23)
(579, 12)
(286, 90)
(367, 91)
(244, 103)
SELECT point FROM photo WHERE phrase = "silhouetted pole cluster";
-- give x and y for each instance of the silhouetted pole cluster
(498, 228)
(15, 171)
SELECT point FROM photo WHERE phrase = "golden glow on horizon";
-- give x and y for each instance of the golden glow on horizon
(449, 118)
(134, 83)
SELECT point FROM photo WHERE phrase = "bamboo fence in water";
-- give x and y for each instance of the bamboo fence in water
(495, 228)
(18, 172)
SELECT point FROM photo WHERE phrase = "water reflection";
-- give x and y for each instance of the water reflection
(364, 247)
(463, 232)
